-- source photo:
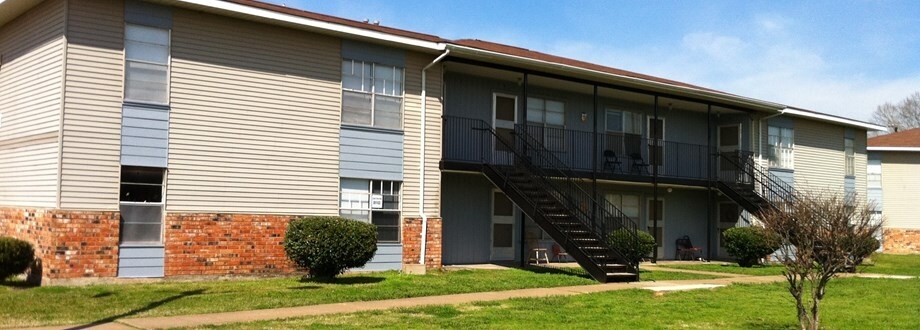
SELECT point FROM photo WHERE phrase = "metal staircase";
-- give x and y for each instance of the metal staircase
(755, 189)
(547, 191)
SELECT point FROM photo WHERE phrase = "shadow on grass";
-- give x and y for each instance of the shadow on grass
(18, 284)
(768, 325)
(136, 311)
(348, 280)
(558, 270)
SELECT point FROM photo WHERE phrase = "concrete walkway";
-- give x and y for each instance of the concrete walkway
(360, 306)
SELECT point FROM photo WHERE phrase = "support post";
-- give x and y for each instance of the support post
(524, 131)
(654, 134)
(709, 181)
(594, 158)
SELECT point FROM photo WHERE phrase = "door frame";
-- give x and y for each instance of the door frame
(720, 226)
(495, 96)
(649, 222)
(648, 134)
(502, 253)
(719, 141)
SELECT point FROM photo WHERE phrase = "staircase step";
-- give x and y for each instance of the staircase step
(621, 274)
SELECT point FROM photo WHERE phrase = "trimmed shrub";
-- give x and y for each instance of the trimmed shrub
(15, 256)
(631, 248)
(327, 246)
(749, 244)
(862, 250)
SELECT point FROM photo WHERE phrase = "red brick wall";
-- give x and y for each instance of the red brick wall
(411, 234)
(901, 241)
(70, 244)
(226, 244)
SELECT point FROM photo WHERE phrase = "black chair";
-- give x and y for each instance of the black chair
(685, 249)
(611, 162)
(637, 164)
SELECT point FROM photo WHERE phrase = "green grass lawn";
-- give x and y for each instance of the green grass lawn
(851, 303)
(53, 305)
(892, 264)
(731, 268)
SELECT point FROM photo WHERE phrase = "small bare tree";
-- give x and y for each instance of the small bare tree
(901, 116)
(820, 236)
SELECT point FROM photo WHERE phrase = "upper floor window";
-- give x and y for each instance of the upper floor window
(146, 64)
(780, 147)
(623, 122)
(548, 117)
(372, 94)
(850, 157)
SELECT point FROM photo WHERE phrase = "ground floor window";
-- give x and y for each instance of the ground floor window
(141, 205)
(374, 201)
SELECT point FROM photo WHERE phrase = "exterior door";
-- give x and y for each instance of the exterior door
(504, 117)
(502, 227)
(656, 151)
(729, 137)
(729, 215)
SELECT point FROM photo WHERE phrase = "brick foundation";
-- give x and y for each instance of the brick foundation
(69, 244)
(412, 245)
(901, 241)
(226, 244)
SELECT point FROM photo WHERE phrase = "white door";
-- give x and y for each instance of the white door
(502, 227)
(729, 137)
(656, 133)
(504, 116)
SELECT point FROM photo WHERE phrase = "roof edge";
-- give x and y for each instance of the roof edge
(833, 119)
(906, 149)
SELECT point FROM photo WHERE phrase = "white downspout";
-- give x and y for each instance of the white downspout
(421, 167)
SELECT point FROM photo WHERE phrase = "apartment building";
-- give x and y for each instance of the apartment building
(178, 138)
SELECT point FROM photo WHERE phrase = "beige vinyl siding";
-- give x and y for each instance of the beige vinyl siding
(412, 152)
(819, 157)
(92, 105)
(31, 73)
(900, 184)
(254, 122)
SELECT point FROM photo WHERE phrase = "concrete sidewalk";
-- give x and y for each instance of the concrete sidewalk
(360, 306)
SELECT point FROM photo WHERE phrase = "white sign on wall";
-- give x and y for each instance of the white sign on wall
(376, 201)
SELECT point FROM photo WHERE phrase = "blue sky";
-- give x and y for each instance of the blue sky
(843, 58)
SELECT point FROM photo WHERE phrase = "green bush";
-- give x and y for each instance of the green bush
(634, 248)
(15, 256)
(861, 250)
(327, 246)
(749, 244)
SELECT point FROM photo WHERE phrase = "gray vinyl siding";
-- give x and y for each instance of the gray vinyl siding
(361, 51)
(466, 224)
(819, 157)
(31, 77)
(92, 105)
(371, 154)
(388, 257)
(412, 129)
(254, 121)
(144, 136)
(140, 261)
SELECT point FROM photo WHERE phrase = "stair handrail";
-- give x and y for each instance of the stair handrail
(772, 189)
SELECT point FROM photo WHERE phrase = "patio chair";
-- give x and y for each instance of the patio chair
(637, 164)
(611, 161)
(685, 249)
(559, 253)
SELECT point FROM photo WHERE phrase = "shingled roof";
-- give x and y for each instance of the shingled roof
(903, 139)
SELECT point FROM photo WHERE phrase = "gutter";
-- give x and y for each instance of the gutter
(421, 168)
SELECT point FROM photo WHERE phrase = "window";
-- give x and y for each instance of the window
(628, 204)
(623, 131)
(874, 174)
(146, 64)
(373, 201)
(850, 158)
(780, 146)
(547, 117)
(141, 205)
(372, 94)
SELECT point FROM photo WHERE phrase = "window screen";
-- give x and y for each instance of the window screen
(146, 64)
(141, 205)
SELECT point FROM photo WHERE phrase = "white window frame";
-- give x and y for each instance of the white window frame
(370, 208)
(372, 92)
(168, 64)
(782, 153)
(546, 127)
(161, 204)
(634, 117)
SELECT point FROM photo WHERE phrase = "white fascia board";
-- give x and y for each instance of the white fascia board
(316, 24)
(834, 119)
(905, 149)
(638, 81)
